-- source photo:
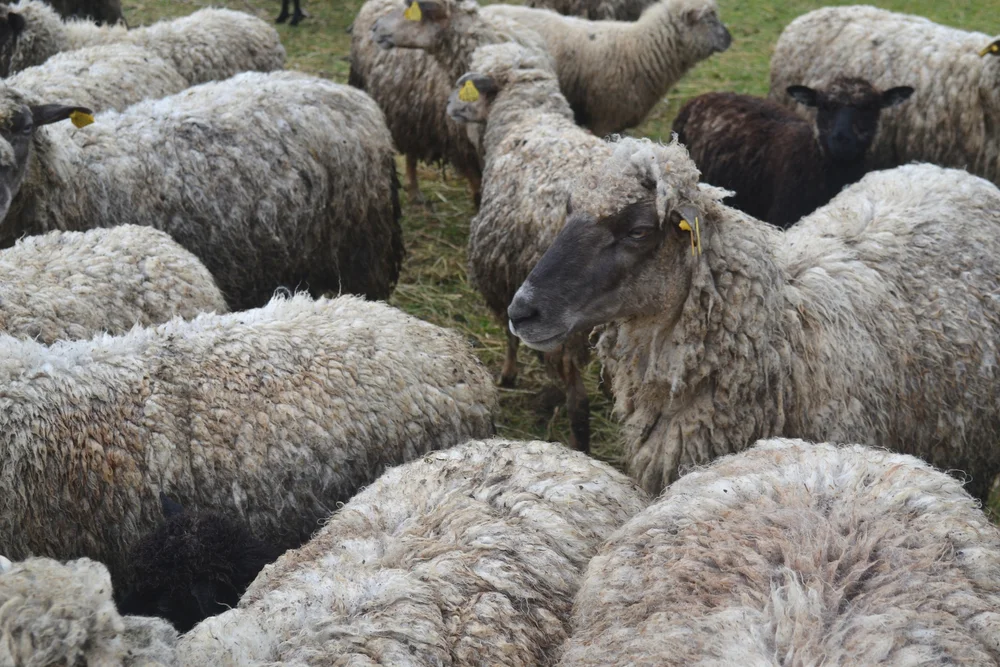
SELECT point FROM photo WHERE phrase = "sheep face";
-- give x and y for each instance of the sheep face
(11, 26)
(418, 24)
(471, 99)
(704, 32)
(18, 123)
(847, 115)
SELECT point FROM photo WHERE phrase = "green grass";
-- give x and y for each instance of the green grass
(433, 285)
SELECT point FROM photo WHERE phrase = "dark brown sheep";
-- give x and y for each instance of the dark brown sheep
(781, 166)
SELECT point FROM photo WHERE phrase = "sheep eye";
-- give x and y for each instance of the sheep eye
(640, 233)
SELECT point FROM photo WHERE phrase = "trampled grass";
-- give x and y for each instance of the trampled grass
(433, 285)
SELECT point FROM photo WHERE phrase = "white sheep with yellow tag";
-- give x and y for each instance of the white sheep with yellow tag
(953, 117)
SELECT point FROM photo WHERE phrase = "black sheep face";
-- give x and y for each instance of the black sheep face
(193, 566)
(847, 115)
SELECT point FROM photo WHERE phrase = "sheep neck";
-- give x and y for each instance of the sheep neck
(467, 32)
(657, 36)
(533, 94)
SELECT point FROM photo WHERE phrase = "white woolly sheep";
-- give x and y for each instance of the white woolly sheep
(412, 90)
(794, 553)
(533, 152)
(53, 613)
(308, 198)
(271, 415)
(99, 11)
(872, 320)
(595, 10)
(467, 556)
(614, 72)
(110, 76)
(953, 117)
(73, 285)
(208, 45)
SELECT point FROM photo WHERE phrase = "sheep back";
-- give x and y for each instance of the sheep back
(73, 285)
(272, 416)
(595, 10)
(100, 11)
(796, 553)
(467, 556)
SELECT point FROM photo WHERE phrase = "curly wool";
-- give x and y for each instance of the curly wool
(207, 45)
(272, 415)
(614, 72)
(794, 553)
(111, 76)
(951, 119)
(72, 285)
(53, 613)
(412, 90)
(871, 320)
(309, 200)
(467, 556)
(596, 10)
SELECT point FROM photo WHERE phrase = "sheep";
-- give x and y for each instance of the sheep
(297, 15)
(73, 285)
(468, 556)
(533, 150)
(54, 613)
(99, 11)
(872, 320)
(794, 553)
(208, 45)
(412, 90)
(614, 72)
(952, 118)
(781, 166)
(595, 10)
(308, 198)
(192, 566)
(271, 415)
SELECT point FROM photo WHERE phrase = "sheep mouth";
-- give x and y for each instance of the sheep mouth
(383, 40)
(544, 343)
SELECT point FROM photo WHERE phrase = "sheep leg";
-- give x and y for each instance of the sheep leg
(413, 193)
(298, 14)
(577, 403)
(475, 187)
(509, 373)
(283, 16)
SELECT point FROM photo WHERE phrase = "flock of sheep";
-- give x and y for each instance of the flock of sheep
(207, 459)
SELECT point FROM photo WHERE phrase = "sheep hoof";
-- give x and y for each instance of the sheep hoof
(282, 17)
(297, 18)
(506, 381)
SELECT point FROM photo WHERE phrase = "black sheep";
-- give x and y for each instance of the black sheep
(780, 165)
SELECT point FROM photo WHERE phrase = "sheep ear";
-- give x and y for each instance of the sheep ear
(993, 48)
(894, 96)
(569, 204)
(803, 95)
(170, 507)
(46, 114)
(692, 16)
(692, 221)
(15, 23)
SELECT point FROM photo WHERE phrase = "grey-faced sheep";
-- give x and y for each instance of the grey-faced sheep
(794, 553)
(296, 15)
(272, 180)
(54, 613)
(614, 72)
(873, 320)
(953, 117)
(780, 166)
(596, 10)
(73, 285)
(412, 90)
(99, 11)
(467, 556)
(533, 152)
(192, 566)
(110, 76)
(208, 45)
(271, 415)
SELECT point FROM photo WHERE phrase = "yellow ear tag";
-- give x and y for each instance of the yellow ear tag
(686, 226)
(413, 12)
(992, 48)
(81, 118)
(469, 92)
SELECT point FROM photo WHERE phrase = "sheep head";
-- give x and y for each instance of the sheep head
(637, 225)
(418, 24)
(847, 115)
(701, 30)
(494, 66)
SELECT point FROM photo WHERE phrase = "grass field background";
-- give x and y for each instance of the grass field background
(433, 284)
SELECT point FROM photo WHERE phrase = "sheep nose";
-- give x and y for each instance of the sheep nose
(521, 311)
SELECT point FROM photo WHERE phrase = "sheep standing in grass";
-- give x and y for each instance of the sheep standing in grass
(794, 553)
(533, 152)
(780, 166)
(272, 415)
(614, 72)
(954, 116)
(873, 320)
(73, 285)
(208, 45)
(596, 10)
(54, 613)
(467, 556)
(272, 180)
(412, 89)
